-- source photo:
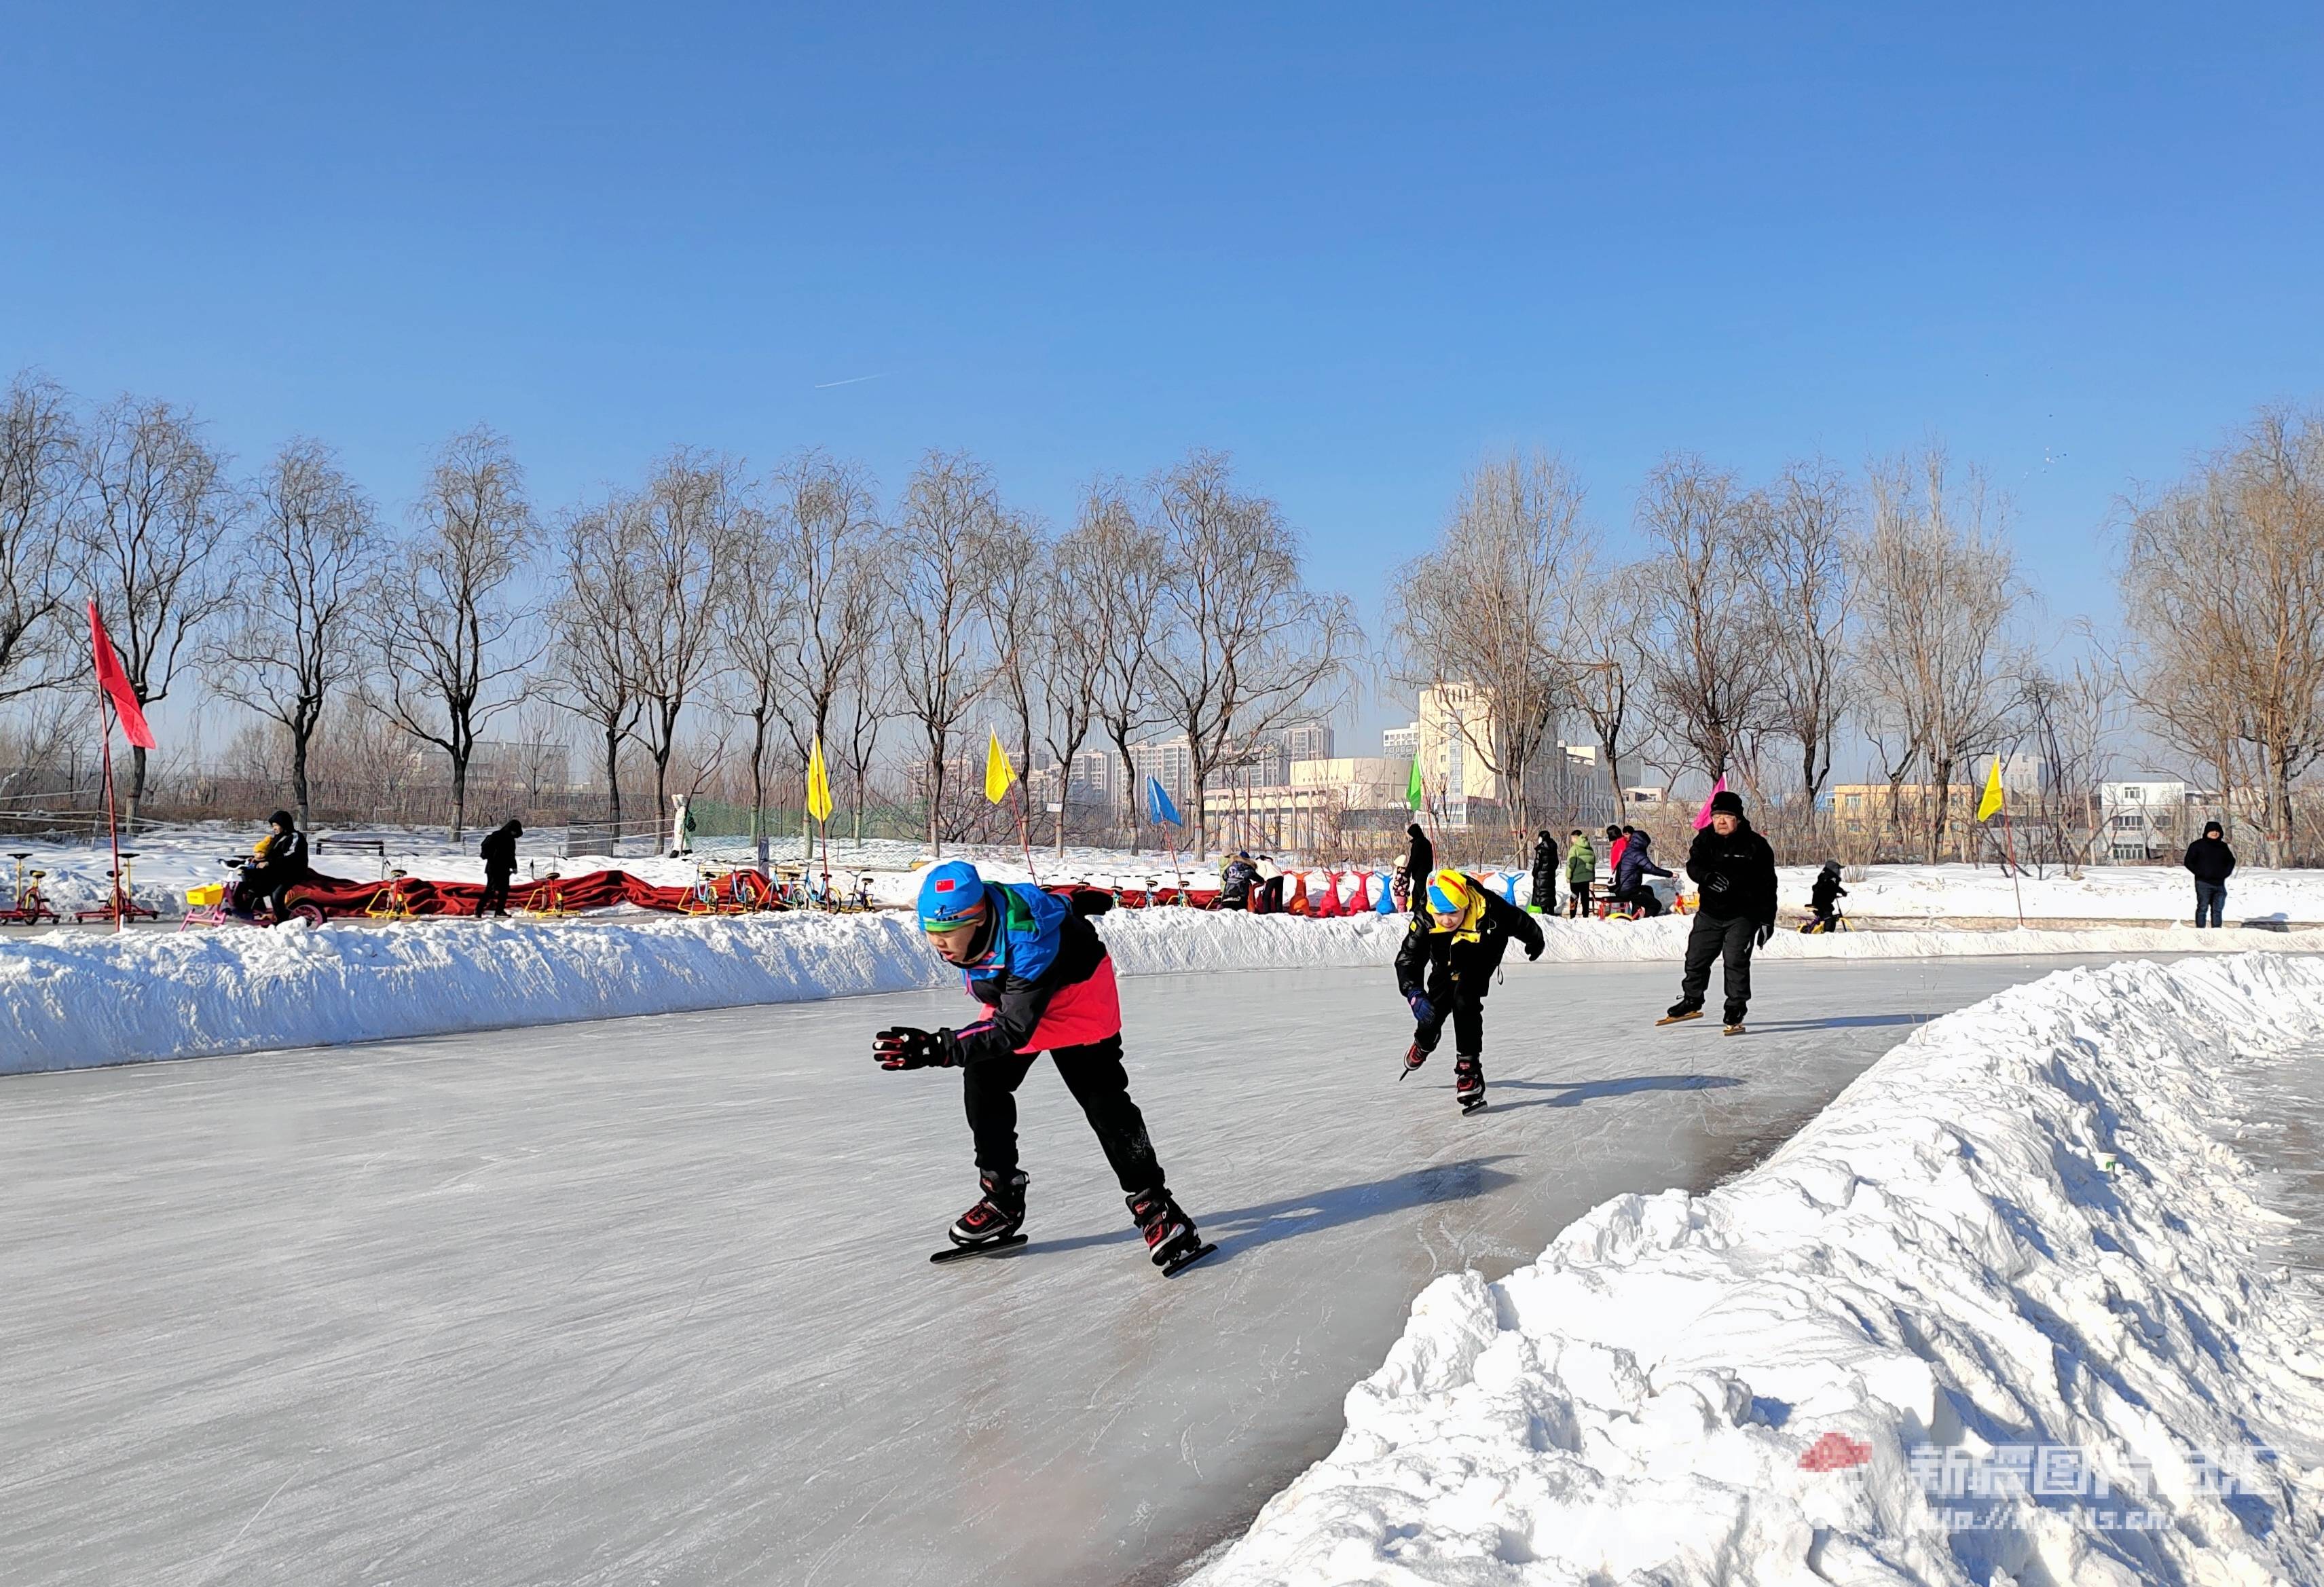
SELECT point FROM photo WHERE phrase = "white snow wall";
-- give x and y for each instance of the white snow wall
(2015, 1230)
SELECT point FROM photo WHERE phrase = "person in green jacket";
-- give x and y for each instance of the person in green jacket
(1581, 867)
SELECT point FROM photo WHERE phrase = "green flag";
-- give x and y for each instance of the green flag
(1414, 793)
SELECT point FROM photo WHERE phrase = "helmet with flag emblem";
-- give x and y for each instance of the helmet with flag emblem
(952, 895)
(1449, 895)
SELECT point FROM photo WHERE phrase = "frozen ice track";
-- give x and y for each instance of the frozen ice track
(648, 1300)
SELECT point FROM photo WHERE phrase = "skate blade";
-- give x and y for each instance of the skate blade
(987, 1248)
(1470, 1105)
(1679, 1019)
(1177, 1265)
(1734, 1030)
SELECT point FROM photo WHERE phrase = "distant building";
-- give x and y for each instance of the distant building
(2146, 818)
(1401, 742)
(1861, 810)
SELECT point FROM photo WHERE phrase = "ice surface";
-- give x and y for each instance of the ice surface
(647, 1301)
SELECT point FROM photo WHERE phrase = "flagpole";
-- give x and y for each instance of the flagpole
(111, 824)
(2009, 847)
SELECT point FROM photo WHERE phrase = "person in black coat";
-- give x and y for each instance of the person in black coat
(1631, 888)
(1459, 932)
(499, 852)
(1419, 865)
(1544, 873)
(2212, 861)
(1823, 897)
(282, 867)
(1735, 871)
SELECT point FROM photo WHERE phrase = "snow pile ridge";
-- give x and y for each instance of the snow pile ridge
(2009, 1258)
(73, 1000)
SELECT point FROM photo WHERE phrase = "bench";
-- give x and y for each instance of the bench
(377, 846)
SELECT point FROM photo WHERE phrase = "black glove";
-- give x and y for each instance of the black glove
(901, 1046)
(1423, 1010)
(1532, 951)
(1766, 929)
(1714, 884)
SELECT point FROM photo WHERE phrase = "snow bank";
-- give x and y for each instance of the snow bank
(2008, 1247)
(75, 999)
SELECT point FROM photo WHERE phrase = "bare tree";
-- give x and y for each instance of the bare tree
(2224, 590)
(1605, 647)
(946, 529)
(681, 551)
(40, 489)
(1710, 671)
(160, 507)
(1118, 568)
(1487, 609)
(1009, 596)
(873, 697)
(1246, 645)
(1070, 656)
(453, 644)
(594, 614)
(2071, 715)
(823, 520)
(1805, 572)
(300, 581)
(757, 626)
(1939, 590)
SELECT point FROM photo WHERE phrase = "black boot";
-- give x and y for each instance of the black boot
(1469, 1082)
(1170, 1237)
(998, 1215)
(1678, 1010)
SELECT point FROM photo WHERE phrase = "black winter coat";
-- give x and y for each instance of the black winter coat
(1443, 965)
(1545, 858)
(1636, 864)
(1826, 892)
(1736, 873)
(2210, 859)
(499, 850)
(286, 860)
(1420, 860)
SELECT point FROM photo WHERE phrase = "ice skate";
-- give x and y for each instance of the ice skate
(991, 1225)
(1469, 1083)
(1170, 1237)
(1733, 1028)
(1414, 1056)
(1680, 1013)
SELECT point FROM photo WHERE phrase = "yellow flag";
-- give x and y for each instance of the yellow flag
(818, 783)
(999, 776)
(1991, 802)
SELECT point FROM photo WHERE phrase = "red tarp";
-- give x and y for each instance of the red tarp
(598, 889)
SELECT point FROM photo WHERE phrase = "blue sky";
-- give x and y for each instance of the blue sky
(1355, 245)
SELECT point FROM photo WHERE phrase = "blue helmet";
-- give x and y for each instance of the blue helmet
(951, 894)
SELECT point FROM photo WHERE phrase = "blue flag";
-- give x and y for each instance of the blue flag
(1158, 808)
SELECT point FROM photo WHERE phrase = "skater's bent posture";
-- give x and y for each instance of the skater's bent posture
(1736, 870)
(1042, 973)
(1446, 966)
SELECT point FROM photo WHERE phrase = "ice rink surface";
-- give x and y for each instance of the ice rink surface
(648, 1301)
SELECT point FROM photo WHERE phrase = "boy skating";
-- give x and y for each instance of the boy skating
(1042, 973)
(1735, 871)
(1460, 930)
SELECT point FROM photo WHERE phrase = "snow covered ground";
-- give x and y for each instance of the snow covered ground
(2011, 1257)
(169, 860)
(73, 1000)
(647, 1300)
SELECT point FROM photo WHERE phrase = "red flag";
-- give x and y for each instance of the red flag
(116, 683)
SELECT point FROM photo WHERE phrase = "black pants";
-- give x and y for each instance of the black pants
(1579, 904)
(496, 898)
(1094, 1075)
(1718, 937)
(1447, 1001)
(1642, 899)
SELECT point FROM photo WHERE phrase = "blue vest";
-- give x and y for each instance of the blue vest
(1028, 929)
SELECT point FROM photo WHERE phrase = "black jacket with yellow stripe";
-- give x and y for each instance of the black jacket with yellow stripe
(1463, 960)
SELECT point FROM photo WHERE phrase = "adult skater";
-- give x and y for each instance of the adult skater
(499, 854)
(1631, 870)
(1042, 973)
(1544, 873)
(1445, 967)
(1736, 870)
(1581, 872)
(2212, 861)
(1823, 899)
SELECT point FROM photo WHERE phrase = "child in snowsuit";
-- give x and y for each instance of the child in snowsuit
(1824, 899)
(1041, 972)
(1581, 870)
(1445, 967)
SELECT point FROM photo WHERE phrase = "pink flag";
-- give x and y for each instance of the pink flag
(1702, 817)
(116, 683)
